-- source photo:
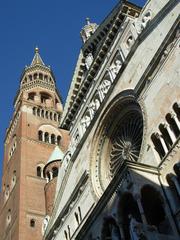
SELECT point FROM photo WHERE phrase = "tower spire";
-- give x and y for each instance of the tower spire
(37, 60)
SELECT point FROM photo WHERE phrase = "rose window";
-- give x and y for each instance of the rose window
(126, 143)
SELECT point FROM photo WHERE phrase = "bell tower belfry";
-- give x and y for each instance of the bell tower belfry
(30, 139)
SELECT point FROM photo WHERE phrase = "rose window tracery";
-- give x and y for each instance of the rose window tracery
(127, 141)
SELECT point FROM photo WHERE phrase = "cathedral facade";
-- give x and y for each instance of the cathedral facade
(108, 165)
(120, 177)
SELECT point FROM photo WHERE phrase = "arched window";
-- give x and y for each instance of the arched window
(45, 77)
(154, 209)
(35, 76)
(110, 229)
(53, 141)
(42, 113)
(46, 137)
(55, 172)
(50, 115)
(40, 76)
(172, 181)
(31, 96)
(173, 124)
(38, 112)
(44, 97)
(176, 108)
(80, 215)
(34, 110)
(58, 140)
(39, 170)
(158, 145)
(40, 135)
(30, 77)
(166, 136)
(13, 179)
(65, 234)
(8, 220)
(55, 117)
(77, 218)
(32, 223)
(177, 169)
(47, 116)
(128, 211)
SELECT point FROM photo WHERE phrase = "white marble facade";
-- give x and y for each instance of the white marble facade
(120, 178)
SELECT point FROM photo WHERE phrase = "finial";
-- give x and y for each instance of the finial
(36, 50)
(88, 21)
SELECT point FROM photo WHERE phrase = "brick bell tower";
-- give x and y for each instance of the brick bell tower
(30, 140)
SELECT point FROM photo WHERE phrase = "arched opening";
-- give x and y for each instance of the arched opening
(172, 185)
(50, 115)
(44, 97)
(40, 135)
(176, 108)
(32, 223)
(31, 96)
(177, 169)
(40, 76)
(45, 77)
(166, 136)
(35, 76)
(55, 117)
(30, 77)
(47, 116)
(42, 113)
(53, 140)
(39, 171)
(65, 234)
(154, 209)
(55, 172)
(158, 145)
(34, 110)
(77, 218)
(128, 212)
(38, 112)
(173, 125)
(110, 229)
(46, 137)
(58, 140)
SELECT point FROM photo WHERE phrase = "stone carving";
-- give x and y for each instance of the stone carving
(85, 121)
(130, 41)
(114, 68)
(93, 107)
(141, 22)
(103, 88)
(88, 60)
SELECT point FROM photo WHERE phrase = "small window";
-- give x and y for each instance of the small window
(39, 171)
(46, 137)
(40, 76)
(40, 135)
(58, 140)
(55, 171)
(53, 141)
(32, 223)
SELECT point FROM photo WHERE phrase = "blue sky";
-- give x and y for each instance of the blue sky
(54, 26)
